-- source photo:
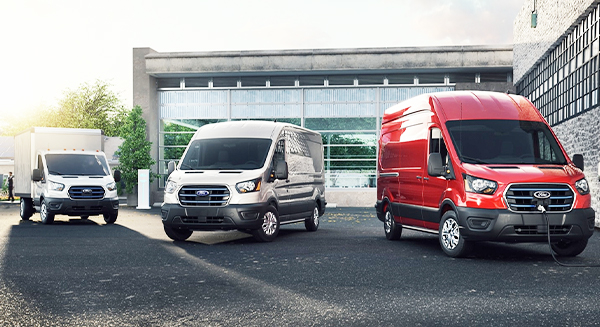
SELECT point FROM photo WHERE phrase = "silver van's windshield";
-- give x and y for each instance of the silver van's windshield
(77, 164)
(504, 142)
(226, 154)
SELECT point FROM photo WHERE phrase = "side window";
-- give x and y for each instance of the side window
(279, 154)
(437, 145)
(545, 149)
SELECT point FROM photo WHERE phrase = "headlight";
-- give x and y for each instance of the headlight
(582, 186)
(54, 186)
(248, 186)
(111, 186)
(480, 185)
(170, 187)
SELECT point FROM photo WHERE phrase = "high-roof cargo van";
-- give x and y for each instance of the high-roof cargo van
(246, 175)
(479, 166)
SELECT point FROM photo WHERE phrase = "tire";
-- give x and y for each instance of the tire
(110, 218)
(270, 226)
(45, 215)
(26, 209)
(312, 223)
(177, 234)
(393, 230)
(569, 249)
(453, 244)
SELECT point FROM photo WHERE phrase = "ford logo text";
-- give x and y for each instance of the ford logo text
(202, 193)
(541, 194)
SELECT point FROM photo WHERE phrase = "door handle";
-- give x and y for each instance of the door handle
(426, 178)
(419, 177)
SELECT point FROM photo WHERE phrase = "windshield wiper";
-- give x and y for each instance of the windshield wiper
(473, 160)
(54, 172)
(183, 165)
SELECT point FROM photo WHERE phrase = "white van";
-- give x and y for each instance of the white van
(246, 175)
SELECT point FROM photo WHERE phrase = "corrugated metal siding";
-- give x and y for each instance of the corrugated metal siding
(266, 111)
(340, 110)
(340, 95)
(189, 111)
(266, 96)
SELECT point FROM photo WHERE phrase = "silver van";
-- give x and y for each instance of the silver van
(251, 176)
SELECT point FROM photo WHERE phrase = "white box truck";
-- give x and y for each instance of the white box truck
(64, 171)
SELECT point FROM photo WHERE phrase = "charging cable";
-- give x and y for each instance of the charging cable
(542, 208)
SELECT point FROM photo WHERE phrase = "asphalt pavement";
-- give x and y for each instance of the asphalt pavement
(86, 273)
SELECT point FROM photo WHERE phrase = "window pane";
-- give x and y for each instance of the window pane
(366, 123)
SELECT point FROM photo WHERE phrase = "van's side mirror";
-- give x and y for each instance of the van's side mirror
(36, 176)
(578, 161)
(435, 166)
(117, 176)
(170, 167)
(281, 170)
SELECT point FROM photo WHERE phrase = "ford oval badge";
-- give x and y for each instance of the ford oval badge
(541, 194)
(202, 193)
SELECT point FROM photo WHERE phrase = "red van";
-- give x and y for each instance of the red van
(476, 166)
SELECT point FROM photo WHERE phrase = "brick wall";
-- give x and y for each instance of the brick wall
(581, 135)
(554, 19)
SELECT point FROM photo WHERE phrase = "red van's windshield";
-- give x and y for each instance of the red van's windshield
(504, 142)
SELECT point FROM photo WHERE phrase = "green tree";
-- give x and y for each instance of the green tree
(134, 152)
(93, 106)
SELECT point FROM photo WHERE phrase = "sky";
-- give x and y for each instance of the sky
(49, 47)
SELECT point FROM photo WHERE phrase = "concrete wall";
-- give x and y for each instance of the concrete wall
(347, 60)
(145, 96)
(554, 19)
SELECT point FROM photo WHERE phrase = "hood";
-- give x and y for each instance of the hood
(525, 173)
(221, 177)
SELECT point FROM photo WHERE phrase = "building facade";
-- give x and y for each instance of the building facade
(340, 93)
(556, 58)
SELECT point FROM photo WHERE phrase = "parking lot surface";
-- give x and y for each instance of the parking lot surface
(85, 273)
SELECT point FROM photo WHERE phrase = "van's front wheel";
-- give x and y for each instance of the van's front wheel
(110, 218)
(177, 234)
(569, 249)
(45, 215)
(453, 244)
(270, 226)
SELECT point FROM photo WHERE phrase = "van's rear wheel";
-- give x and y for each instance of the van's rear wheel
(569, 249)
(26, 208)
(45, 215)
(453, 244)
(177, 234)
(312, 223)
(270, 226)
(393, 230)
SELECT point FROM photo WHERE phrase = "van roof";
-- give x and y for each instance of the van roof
(467, 105)
(246, 128)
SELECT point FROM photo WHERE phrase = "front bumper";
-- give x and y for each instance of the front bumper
(71, 207)
(241, 217)
(506, 226)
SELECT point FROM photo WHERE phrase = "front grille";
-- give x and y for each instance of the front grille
(86, 192)
(201, 220)
(199, 195)
(542, 229)
(520, 197)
